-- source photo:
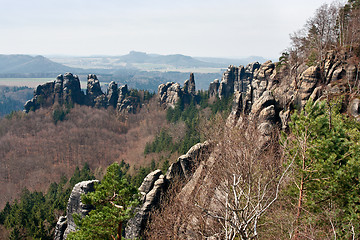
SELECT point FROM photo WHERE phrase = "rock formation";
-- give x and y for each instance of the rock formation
(189, 85)
(169, 94)
(214, 88)
(234, 79)
(156, 184)
(66, 90)
(66, 224)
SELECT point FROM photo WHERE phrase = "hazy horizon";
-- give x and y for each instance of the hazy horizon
(226, 29)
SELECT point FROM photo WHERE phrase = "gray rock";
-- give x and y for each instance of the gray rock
(267, 114)
(338, 74)
(71, 89)
(189, 85)
(93, 90)
(354, 107)
(237, 109)
(284, 117)
(226, 87)
(112, 94)
(75, 206)
(60, 228)
(214, 88)
(184, 167)
(149, 181)
(169, 94)
(266, 100)
(136, 225)
(58, 89)
(308, 81)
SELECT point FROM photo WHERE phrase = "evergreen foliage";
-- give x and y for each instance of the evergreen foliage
(114, 200)
(34, 216)
(188, 111)
(326, 148)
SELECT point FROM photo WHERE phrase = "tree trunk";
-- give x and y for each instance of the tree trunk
(119, 231)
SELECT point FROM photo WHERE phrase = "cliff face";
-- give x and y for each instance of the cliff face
(169, 94)
(263, 93)
(66, 90)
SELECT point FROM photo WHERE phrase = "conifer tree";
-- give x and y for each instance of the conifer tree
(114, 200)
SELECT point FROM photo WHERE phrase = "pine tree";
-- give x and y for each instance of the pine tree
(326, 170)
(114, 200)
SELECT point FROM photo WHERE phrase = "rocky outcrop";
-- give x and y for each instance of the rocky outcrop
(308, 81)
(354, 108)
(155, 184)
(112, 94)
(189, 85)
(235, 79)
(214, 88)
(151, 189)
(60, 228)
(66, 224)
(186, 164)
(66, 90)
(94, 94)
(170, 93)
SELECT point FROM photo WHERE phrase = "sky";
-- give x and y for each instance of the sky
(211, 28)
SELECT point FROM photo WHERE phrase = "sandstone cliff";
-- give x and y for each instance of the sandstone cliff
(66, 91)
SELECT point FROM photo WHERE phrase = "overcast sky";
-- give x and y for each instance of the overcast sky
(208, 28)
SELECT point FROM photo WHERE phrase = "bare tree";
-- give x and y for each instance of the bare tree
(247, 177)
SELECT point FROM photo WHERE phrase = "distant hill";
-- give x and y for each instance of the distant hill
(233, 61)
(177, 60)
(25, 64)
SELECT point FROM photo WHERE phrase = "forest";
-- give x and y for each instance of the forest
(266, 178)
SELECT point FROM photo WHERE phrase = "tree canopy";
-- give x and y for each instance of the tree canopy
(114, 200)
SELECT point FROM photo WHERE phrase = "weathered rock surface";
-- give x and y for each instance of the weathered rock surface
(354, 107)
(60, 228)
(189, 85)
(170, 93)
(185, 165)
(112, 94)
(66, 90)
(155, 184)
(94, 93)
(151, 189)
(65, 225)
(214, 88)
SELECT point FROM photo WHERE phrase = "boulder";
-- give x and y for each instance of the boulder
(266, 100)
